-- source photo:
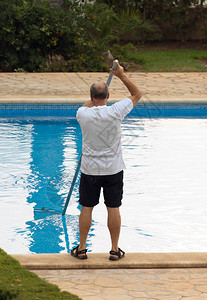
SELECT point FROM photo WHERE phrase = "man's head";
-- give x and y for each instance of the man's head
(99, 91)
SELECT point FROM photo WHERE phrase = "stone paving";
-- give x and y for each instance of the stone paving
(74, 87)
(127, 284)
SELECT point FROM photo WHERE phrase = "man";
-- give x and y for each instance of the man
(102, 162)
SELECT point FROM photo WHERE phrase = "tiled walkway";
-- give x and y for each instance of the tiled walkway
(128, 284)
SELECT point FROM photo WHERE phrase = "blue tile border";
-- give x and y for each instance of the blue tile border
(38, 110)
(166, 110)
(141, 110)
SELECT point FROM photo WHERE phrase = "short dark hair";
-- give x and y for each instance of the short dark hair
(98, 91)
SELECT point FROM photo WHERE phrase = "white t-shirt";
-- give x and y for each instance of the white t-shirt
(101, 133)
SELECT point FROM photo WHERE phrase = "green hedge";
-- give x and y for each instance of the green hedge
(18, 283)
(174, 20)
(171, 19)
(30, 33)
(36, 37)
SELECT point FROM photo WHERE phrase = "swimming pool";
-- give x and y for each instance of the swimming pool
(164, 207)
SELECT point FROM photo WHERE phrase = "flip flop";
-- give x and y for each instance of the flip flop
(120, 254)
(76, 253)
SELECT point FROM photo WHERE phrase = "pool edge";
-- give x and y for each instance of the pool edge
(101, 261)
(83, 99)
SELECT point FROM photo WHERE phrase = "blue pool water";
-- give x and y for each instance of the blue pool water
(164, 206)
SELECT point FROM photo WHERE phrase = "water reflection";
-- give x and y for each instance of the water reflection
(50, 233)
(50, 166)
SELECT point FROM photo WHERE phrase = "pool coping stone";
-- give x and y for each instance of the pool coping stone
(101, 261)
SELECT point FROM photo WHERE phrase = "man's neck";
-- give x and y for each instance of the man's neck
(99, 102)
(95, 102)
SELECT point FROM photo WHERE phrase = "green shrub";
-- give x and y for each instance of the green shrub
(32, 32)
(102, 27)
(34, 36)
(129, 27)
(174, 20)
(169, 19)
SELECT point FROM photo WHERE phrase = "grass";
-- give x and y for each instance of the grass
(169, 60)
(18, 283)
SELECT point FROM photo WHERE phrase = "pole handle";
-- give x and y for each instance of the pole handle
(111, 74)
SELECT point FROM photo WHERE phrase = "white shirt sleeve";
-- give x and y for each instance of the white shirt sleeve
(81, 114)
(122, 108)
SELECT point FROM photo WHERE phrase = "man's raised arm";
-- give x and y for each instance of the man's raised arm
(132, 88)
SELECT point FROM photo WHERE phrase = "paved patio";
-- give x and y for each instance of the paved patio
(74, 87)
(128, 284)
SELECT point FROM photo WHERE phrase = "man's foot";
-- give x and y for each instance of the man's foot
(79, 254)
(116, 255)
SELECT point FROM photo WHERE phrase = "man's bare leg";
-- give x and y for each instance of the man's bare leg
(85, 221)
(114, 226)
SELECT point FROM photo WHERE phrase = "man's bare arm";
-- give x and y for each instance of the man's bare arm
(132, 88)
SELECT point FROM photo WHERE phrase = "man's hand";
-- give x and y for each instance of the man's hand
(119, 72)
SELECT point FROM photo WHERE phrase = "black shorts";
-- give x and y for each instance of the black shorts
(90, 188)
